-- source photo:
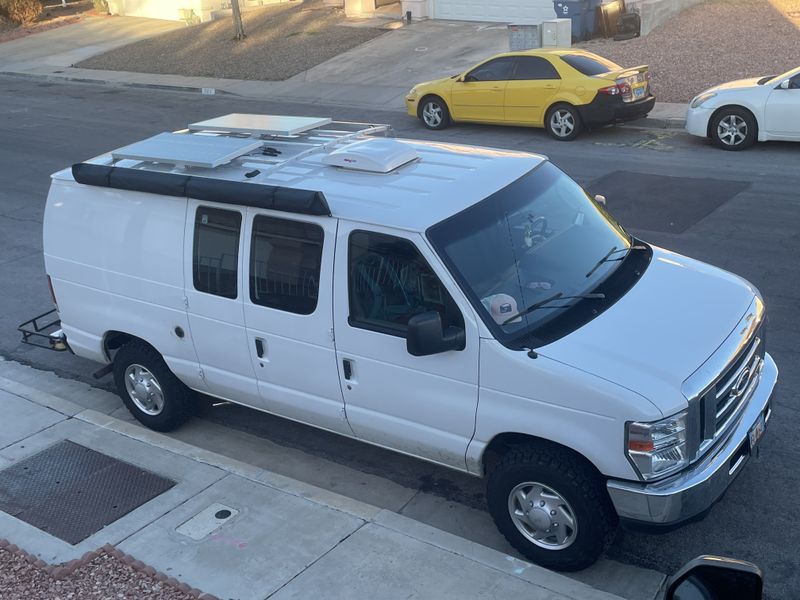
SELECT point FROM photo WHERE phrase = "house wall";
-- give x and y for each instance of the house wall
(170, 10)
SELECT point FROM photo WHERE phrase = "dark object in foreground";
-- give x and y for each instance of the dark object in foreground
(715, 578)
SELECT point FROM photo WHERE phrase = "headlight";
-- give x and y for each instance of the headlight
(413, 92)
(658, 449)
(702, 98)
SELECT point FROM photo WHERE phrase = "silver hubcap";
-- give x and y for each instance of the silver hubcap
(732, 130)
(144, 389)
(432, 114)
(562, 123)
(542, 515)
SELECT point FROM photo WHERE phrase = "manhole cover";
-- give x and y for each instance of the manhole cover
(71, 491)
(661, 202)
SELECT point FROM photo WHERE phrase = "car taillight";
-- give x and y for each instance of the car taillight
(609, 91)
(52, 292)
(624, 87)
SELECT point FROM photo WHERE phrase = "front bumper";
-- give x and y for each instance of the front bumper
(692, 492)
(697, 121)
(604, 110)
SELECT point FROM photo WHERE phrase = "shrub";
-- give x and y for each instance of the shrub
(20, 11)
(100, 5)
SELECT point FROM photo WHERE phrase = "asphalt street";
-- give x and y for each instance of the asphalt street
(740, 211)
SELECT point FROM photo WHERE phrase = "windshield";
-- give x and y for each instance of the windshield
(539, 237)
(779, 78)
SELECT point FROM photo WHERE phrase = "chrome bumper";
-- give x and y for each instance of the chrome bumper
(693, 491)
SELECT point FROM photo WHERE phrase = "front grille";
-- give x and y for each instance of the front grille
(735, 386)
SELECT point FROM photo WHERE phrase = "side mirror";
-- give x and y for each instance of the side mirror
(460, 79)
(715, 578)
(425, 335)
(600, 199)
(785, 84)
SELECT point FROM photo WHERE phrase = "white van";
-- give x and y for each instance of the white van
(472, 307)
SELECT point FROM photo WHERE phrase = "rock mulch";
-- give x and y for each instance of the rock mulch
(282, 40)
(713, 42)
(107, 573)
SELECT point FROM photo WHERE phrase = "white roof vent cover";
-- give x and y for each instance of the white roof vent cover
(375, 155)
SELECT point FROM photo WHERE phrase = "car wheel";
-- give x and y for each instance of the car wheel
(551, 507)
(733, 129)
(563, 122)
(433, 113)
(150, 391)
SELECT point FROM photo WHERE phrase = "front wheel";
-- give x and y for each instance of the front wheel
(150, 391)
(563, 122)
(434, 113)
(551, 507)
(733, 129)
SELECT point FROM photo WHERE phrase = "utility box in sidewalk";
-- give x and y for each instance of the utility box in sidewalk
(557, 33)
(524, 36)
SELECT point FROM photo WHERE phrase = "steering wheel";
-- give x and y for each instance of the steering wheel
(535, 232)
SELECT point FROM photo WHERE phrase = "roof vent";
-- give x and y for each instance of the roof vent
(375, 155)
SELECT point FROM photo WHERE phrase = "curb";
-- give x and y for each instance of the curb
(129, 84)
(61, 571)
(646, 123)
(488, 557)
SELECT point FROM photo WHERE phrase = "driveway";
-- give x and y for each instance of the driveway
(416, 52)
(70, 44)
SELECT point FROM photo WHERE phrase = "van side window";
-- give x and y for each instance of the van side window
(216, 251)
(285, 258)
(390, 282)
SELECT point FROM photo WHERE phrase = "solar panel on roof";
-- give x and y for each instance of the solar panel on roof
(279, 125)
(190, 150)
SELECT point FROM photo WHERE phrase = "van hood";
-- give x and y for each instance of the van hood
(661, 331)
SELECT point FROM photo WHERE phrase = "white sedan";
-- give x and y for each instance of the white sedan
(737, 114)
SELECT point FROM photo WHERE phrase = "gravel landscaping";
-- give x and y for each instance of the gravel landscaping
(714, 42)
(282, 40)
(101, 578)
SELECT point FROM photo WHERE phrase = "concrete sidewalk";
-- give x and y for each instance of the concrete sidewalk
(286, 539)
(374, 75)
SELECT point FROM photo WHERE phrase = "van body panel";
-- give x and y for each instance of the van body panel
(553, 401)
(102, 285)
(297, 375)
(421, 405)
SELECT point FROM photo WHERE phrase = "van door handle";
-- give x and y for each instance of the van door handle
(260, 347)
(347, 367)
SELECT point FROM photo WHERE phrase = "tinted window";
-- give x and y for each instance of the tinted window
(390, 282)
(499, 69)
(589, 65)
(795, 82)
(216, 251)
(285, 258)
(534, 67)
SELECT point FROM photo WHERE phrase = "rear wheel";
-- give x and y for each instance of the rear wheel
(433, 113)
(150, 391)
(563, 122)
(551, 506)
(733, 128)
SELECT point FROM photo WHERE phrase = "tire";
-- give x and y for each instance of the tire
(159, 400)
(564, 487)
(733, 128)
(433, 113)
(563, 122)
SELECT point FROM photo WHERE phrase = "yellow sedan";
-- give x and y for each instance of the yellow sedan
(562, 90)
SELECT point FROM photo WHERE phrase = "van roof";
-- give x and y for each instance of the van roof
(407, 184)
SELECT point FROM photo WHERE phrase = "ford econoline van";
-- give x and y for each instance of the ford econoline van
(468, 306)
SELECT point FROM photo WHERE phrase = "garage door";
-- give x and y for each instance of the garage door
(507, 11)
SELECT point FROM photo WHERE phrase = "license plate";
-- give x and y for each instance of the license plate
(638, 92)
(757, 431)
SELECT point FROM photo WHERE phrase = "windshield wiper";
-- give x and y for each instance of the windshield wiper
(558, 296)
(614, 250)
